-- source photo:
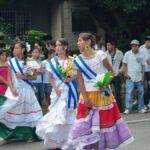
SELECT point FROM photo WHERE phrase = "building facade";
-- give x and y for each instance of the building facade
(59, 18)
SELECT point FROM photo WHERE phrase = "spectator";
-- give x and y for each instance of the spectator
(145, 50)
(134, 73)
(115, 58)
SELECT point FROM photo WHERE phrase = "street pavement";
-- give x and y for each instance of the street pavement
(139, 125)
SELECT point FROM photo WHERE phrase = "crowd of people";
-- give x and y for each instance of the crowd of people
(77, 115)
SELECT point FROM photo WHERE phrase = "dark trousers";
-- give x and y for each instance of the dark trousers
(39, 93)
(147, 88)
(116, 82)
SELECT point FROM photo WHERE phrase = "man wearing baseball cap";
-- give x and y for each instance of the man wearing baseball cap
(134, 73)
(135, 42)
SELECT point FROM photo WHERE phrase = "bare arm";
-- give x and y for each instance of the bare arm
(125, 70)
(4, 80)
(25, 77)
(53, 84)
(40, 71)
(143, 72)
(121, 70)
(70, 79)
(82, 89)
(148, 61)
(108, 66)
(10, 83)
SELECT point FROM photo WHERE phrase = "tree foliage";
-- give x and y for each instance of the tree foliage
(5, 38)
(33, 36)
(122, 20)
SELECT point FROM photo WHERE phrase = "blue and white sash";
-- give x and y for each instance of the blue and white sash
(72, 86)
(15, 63)
(88, 72)
(84, 68)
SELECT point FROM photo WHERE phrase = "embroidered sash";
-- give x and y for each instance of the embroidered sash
(84, 68)
(12, 64)
(72, 86)
(88, 72)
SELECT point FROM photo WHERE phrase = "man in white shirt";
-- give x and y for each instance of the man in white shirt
(145, 50)
(115, 58)
(134, 73)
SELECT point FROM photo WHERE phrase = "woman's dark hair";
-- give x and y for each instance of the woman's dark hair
(25, 53)
(64, 42)
(51, 42)
(147, 38)
(11, 51)
(35, 47)
(39, 43)
(48, 52)
(3, 51)
(112, 42)
(88, 36)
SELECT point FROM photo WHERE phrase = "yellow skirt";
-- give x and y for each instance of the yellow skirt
(97, 99)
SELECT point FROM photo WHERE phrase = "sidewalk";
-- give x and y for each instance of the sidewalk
(135, 117)
(139, 124)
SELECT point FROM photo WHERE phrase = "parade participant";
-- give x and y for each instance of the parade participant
(56, 124)
(20, 110)
(3, 72)
(98, 123)
(35, 64)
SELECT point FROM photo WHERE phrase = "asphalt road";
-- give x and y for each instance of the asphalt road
(139, 125)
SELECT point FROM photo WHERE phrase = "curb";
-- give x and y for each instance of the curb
(138, 120)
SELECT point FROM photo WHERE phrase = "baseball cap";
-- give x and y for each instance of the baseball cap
(147, 38)
(136, 42)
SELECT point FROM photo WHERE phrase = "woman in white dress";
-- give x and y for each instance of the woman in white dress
(20, 110)
(99, 124)
(35, 63)
(54, 127)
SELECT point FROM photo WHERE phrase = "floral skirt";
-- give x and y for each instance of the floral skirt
(98, 128)
(19, 115)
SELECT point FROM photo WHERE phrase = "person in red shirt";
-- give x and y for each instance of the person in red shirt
(3, 72)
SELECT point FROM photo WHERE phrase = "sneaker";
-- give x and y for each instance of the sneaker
(148, 105)
(142, 111)
(3, 142)
(135, 102)
(127, 111)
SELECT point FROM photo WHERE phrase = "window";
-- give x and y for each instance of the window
(19, 21)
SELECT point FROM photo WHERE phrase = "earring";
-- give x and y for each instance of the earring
(87, 47)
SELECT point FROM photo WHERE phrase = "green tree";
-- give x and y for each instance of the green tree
(5, 38)
(122, 20)
(33, 36)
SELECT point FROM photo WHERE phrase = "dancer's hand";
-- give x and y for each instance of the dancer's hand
(127, 76)
(58, 92)
(65, 80)
(19, 76)
(87, 103)
(14, 92)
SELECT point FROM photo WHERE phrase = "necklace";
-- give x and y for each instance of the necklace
(90, 55)
(2, 63)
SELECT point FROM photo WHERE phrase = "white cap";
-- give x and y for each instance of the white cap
(136, 42)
